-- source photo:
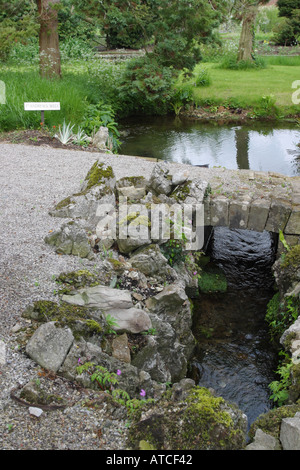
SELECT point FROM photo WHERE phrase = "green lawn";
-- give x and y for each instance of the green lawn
(246, 87)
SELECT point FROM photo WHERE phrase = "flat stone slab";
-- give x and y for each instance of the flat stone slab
(49, 346)
(114, 302)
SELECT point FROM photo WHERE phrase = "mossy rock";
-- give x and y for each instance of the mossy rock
(201, 421)
(292, 258)
(77, 318)
(98, 174)
(270, 422)
(136, 181)
(76, 279)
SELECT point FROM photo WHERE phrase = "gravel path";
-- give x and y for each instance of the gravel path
(32, 180)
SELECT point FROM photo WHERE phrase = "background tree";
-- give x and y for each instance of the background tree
(50, 64)
(287, 33)
(18, 23)
(246, 11)
(169, 29)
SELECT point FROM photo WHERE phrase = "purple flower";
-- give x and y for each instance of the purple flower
(142, 393)
(79, 360)
(119, 372)
(195, 272)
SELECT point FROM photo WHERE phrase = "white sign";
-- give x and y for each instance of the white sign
(2, 93)
(42, 106)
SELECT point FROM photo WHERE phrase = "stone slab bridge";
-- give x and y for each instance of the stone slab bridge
(253, 200)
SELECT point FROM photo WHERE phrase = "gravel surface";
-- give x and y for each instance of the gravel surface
(32, 180)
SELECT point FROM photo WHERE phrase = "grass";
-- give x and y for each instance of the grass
(245, 88)
(24, 84)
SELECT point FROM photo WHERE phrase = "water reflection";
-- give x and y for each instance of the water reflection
(259, 147)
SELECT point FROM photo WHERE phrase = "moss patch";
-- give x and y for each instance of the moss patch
(212, 280)
(98, 174)
(77, 318)
(270, 422)
(76, 279)
(200, 422)
(292, 258)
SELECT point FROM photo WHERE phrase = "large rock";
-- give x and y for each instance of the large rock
(293, 333)
(113, 302)
(163, 357)
(98, 188)
(290, 433)
(150, 261)
(263, 441)
(160, 181)
(191, 192)
(71, 239)
(100, 139)
(49, 346)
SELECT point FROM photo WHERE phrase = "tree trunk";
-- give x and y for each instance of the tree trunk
(48, 39)
(247, 34)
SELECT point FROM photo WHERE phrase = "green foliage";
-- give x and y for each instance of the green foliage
(146, 87)
(266, 107)
(202, 78)
(71, 91)
(173, 28)
(287, 32)
(108, 381)
(12, 32)
(99, 374)
(281, 314)
(212, 280)
(267, 19)
(279, 388)
(98, 115)
(173, 250)
(111, 324)
(231, 62)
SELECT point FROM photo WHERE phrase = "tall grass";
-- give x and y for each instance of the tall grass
(292, 61)
(72, 91)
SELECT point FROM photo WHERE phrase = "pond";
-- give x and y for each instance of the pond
(258, 146)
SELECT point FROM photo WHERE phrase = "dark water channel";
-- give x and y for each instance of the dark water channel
(259, 147)
(234, 355)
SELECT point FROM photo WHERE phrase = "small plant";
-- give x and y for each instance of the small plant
(173, 250)
(279, 388)
(80, 138)
(202, 78)
(281, 314)
(99, 374)
(107, 382)
(111, 323)
(65, 134)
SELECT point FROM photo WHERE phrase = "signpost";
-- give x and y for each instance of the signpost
(41, 106)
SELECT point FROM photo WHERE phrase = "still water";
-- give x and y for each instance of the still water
(259, 147)
(234, 354)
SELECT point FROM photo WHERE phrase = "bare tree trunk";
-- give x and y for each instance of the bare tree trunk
(247, 34)
(48, 39)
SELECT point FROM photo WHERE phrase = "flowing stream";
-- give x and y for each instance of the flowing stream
(234, 354)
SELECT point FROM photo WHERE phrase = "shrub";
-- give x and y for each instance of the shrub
(146, 87)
